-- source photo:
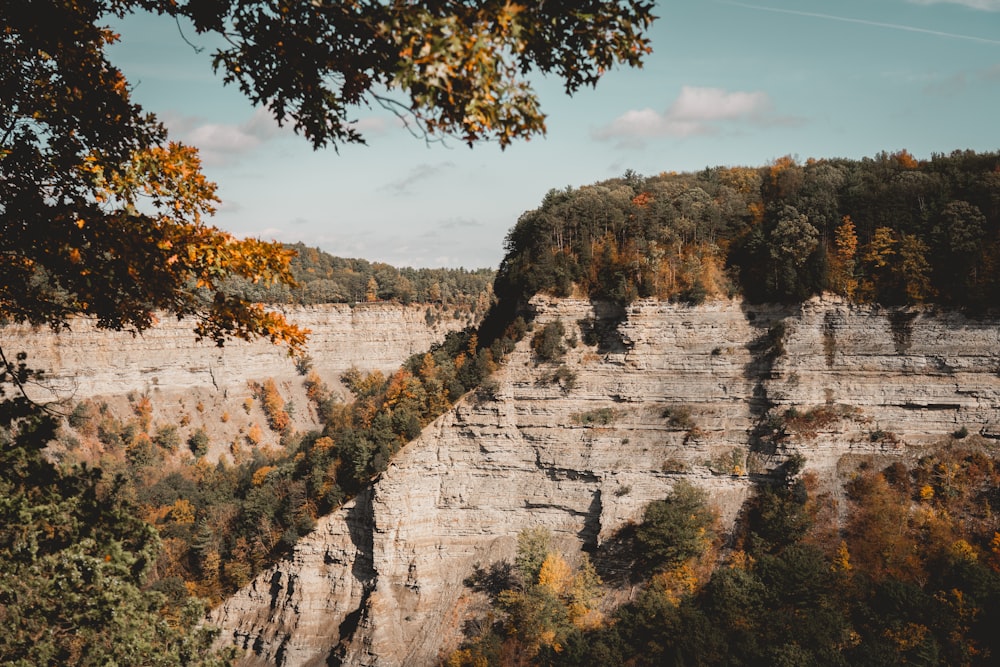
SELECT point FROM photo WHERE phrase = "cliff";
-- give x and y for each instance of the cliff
(719, 394)
(200, 381)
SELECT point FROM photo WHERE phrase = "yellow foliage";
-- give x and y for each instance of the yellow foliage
(741, 560)
(907, 637)
(428, 368)
(555, 575)
(905, 160)
(466, 658)
(926, 492)
(842, 561)
(995, 552)
(255, 434)
(182, 512)
(548, 638)
(961, 550)
(261, 474)
(677, 583)
(323, 444)
(881, 248)
(403, 386)
(842, 263)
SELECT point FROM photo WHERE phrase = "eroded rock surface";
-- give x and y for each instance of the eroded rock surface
(661, 391)
(196, 382)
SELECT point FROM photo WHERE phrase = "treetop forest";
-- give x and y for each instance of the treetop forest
(888, 229)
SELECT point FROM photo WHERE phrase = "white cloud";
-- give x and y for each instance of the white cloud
(985, 5)
(696, 111)
(707, 104)
(219, 142)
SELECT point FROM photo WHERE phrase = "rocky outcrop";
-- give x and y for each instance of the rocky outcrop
(86, 361)
(645, 396)
(196, 382)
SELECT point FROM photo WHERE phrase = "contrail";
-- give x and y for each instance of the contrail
(876, 24)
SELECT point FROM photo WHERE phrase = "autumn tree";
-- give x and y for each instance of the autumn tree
(843, 261)
(877, 260)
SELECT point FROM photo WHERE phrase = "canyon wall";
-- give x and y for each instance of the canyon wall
(718, 394)
(197, 382)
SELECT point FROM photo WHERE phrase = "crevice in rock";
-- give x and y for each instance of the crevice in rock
(901, 326)
(557, 474)
(831, 322)
(360, 526)
(275, 588)
(767, 431)
(592, 524)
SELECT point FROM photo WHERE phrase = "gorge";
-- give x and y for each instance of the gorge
(642, 396)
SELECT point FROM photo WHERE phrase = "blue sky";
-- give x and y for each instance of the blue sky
(728, 83)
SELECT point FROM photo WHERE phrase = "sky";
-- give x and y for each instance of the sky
(728, 83)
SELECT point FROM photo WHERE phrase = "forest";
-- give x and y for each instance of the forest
(911, 577)
(889, 229)
(320, 277)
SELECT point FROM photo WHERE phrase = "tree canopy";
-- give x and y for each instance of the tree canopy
(888, 229)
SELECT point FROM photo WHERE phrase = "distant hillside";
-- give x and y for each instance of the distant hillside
(323, 278)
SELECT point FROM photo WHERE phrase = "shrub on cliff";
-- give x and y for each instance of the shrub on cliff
(547, 343)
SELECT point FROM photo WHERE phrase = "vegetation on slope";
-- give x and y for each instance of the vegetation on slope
(223, 522)
(779, 232)
(911, 576)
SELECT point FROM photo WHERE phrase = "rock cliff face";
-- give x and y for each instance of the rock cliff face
(180, 374)
(581, 445)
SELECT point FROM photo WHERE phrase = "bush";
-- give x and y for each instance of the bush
(303, 364)
(167, 438)
(678, 416)
(598, 417)
(674, 529)
(83, 418)
(565, 378)
(198, 443)
(548, 342)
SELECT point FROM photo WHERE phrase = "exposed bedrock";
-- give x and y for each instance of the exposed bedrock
(661, 391)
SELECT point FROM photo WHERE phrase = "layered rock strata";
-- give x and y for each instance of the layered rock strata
(86, 361)
(206, 386)
(645, 396)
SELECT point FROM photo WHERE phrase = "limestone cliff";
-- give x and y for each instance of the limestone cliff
(200, 381)
(646, 395)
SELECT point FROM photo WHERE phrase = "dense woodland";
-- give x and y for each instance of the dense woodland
(889, 229)
(323, 278)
